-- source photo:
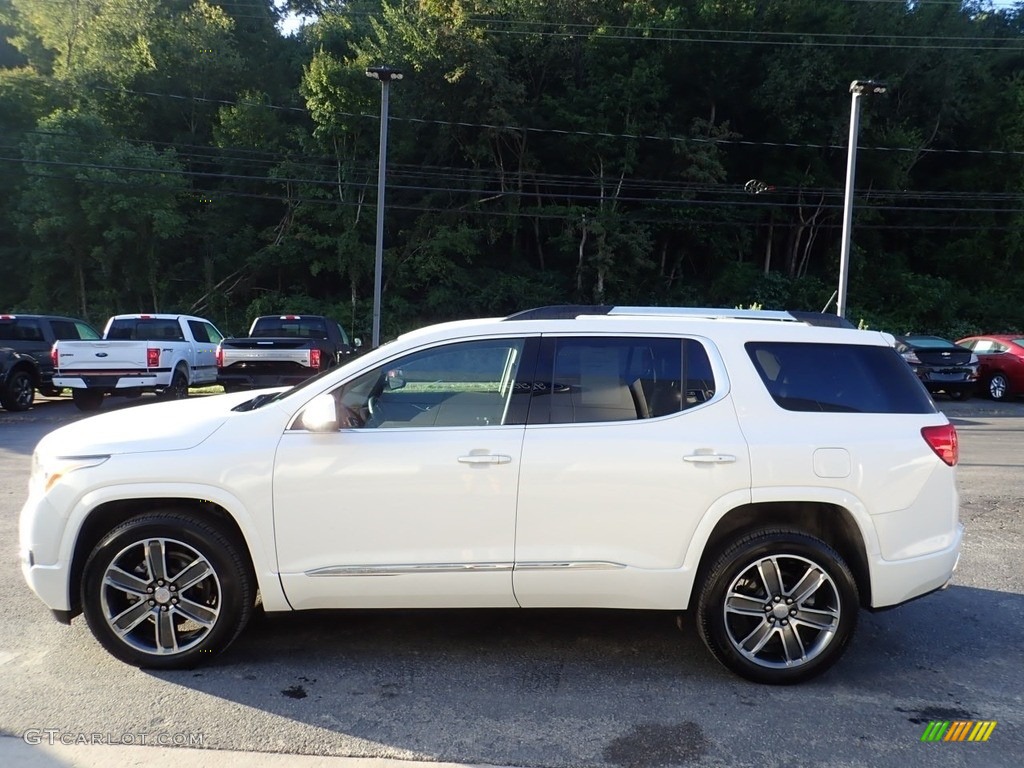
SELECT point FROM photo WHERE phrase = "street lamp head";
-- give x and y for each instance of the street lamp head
(383, 73)
(867, 87)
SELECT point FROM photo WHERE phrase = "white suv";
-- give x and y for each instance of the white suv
(772, 472)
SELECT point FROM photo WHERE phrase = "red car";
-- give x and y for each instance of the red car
(1002, 363)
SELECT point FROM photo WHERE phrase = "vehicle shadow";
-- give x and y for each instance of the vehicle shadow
(519, 687)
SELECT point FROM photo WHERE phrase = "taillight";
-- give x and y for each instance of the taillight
(153, 357)
(944, 442)
(314, 358)
(220, 357)
(53, 356)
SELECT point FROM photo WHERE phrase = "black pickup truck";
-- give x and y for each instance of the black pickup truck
(25, 365)
(281, 350)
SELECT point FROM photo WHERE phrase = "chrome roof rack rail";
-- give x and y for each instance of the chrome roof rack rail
(571, 311)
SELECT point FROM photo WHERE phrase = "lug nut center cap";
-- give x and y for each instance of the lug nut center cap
(162, 595)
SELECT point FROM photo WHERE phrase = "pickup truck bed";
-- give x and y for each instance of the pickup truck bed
(138, 353)
(281, 350)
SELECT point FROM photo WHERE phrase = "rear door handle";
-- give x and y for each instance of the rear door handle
(710, 458)
(485, 458)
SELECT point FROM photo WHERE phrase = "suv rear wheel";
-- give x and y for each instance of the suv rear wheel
(778, 606)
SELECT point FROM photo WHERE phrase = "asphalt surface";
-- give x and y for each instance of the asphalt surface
(558, 689)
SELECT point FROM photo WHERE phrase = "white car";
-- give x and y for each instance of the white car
(771, 472)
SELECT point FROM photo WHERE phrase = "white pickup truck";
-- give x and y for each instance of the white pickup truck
(161, 353)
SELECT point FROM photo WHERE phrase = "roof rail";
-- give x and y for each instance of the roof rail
(571, 311)
(561, 312)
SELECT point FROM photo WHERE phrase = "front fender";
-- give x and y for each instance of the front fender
(258, 535)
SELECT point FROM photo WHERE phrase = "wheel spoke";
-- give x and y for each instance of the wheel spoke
(771, 576)
(792, 645)
(808, 584)
(200, 614)
(744, 605)
(194, 573)
(119, 578)
(757, 639)
(156, 559)
(817, 619)
(166, 637)
(131, 617)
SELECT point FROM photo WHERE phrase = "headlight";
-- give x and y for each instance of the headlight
(911, 357)
(47, 471)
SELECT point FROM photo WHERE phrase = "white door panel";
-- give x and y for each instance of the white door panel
(387, 499)
(618, 502)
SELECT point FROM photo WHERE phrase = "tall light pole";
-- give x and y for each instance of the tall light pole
(858, 88)
(385, 75)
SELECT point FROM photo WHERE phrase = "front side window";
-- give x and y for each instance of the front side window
(838, 378)
(467, 384)
(599, 379)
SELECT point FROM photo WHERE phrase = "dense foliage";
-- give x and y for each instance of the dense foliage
(186, 155)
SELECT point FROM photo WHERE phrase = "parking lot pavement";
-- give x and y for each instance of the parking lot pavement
(16, 753)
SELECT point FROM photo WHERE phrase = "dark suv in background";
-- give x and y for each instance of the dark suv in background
(25, 365)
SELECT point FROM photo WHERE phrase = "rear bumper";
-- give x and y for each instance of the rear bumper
(897, 581)
(111, 383)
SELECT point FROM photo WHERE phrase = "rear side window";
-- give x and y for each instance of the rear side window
(199, 332)
(20, 330)
(584, 380)
(838, 378)
(72, 329)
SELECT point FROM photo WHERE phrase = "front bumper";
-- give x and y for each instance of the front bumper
(45, 572)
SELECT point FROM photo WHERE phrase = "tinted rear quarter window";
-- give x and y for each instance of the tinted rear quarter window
(838, 378)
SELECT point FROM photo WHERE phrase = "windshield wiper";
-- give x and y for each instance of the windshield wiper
(256, 402)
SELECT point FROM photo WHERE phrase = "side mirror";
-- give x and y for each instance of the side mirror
(394, 379)
(321, 415)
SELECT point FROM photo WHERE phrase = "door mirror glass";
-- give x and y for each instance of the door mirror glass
(395, 380)
(321, 415)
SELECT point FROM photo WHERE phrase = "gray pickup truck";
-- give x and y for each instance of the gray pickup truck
(282, 350)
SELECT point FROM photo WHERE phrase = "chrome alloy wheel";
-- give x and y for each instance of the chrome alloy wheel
(782, 611)
(160, 596)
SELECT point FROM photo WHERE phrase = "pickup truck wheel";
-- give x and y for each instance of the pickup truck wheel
(87, 399)
(166, 591)
(777, 607)
(18, 393)
(178, 389)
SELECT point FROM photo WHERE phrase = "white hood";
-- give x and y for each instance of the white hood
(172, 426)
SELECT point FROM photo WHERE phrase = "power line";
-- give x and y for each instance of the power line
(587, 134)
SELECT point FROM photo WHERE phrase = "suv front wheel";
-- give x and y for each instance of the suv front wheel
(166, 591)
(778, 606)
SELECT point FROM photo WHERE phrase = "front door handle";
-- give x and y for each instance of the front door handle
(710, 458)
(485, 458)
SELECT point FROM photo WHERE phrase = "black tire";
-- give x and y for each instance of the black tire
(87, 399)
(998, 387)
(159, 624)
(178, 389)
(777, 607)
(19, 392)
